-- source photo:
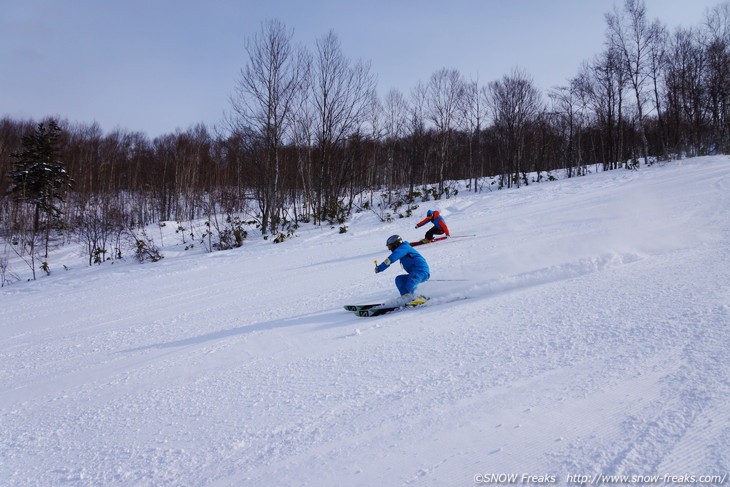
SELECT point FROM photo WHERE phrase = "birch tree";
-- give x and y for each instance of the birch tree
(634, 37)
(473, 116)
(514, 102)
(445, 91)
(395, 109)
(717, 77)
(341, 94)
(264, 101)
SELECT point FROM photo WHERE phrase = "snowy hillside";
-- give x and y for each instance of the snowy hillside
(584, 331)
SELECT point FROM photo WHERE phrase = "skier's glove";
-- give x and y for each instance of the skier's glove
(376, 269)
(416, 227)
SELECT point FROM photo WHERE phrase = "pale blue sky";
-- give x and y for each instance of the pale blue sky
(159, 65)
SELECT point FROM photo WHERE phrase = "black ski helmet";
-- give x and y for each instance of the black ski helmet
(393, 241)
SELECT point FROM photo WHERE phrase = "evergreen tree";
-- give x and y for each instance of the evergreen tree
(39, 179)
(39, 176)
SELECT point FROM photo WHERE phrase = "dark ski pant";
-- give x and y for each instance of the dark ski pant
(407, 283)
(434, 231)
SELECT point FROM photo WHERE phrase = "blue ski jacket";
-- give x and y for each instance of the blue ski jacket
(409, 258)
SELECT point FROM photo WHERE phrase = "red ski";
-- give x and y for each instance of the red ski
(421, 242)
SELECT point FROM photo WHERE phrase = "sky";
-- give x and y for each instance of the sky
(158, 66)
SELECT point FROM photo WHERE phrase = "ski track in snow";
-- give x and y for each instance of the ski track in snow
(584, 330)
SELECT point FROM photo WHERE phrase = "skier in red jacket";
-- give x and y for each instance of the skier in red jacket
(439, 226)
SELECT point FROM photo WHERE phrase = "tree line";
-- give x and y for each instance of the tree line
(309, 140)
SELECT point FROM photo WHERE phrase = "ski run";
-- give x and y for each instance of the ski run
(581, 337)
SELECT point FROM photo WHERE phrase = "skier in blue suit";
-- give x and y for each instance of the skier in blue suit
(413, 263)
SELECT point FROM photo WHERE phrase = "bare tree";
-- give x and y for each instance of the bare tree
(373, 143)
(717, 76)
(514, 102)
(341, 93)
(685, 90)
(472, 114)
(395, 109)
(445, 92)
(416, 136)
(604, 82)
(569, 106)
(656, 69)
(634, 37)
(264, 101)
(303, 139)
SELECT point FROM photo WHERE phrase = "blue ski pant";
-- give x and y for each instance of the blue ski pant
(407, 283)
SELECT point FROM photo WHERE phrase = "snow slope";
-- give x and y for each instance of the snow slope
(584, 331)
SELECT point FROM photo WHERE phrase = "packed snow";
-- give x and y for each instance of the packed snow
(582, 334)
